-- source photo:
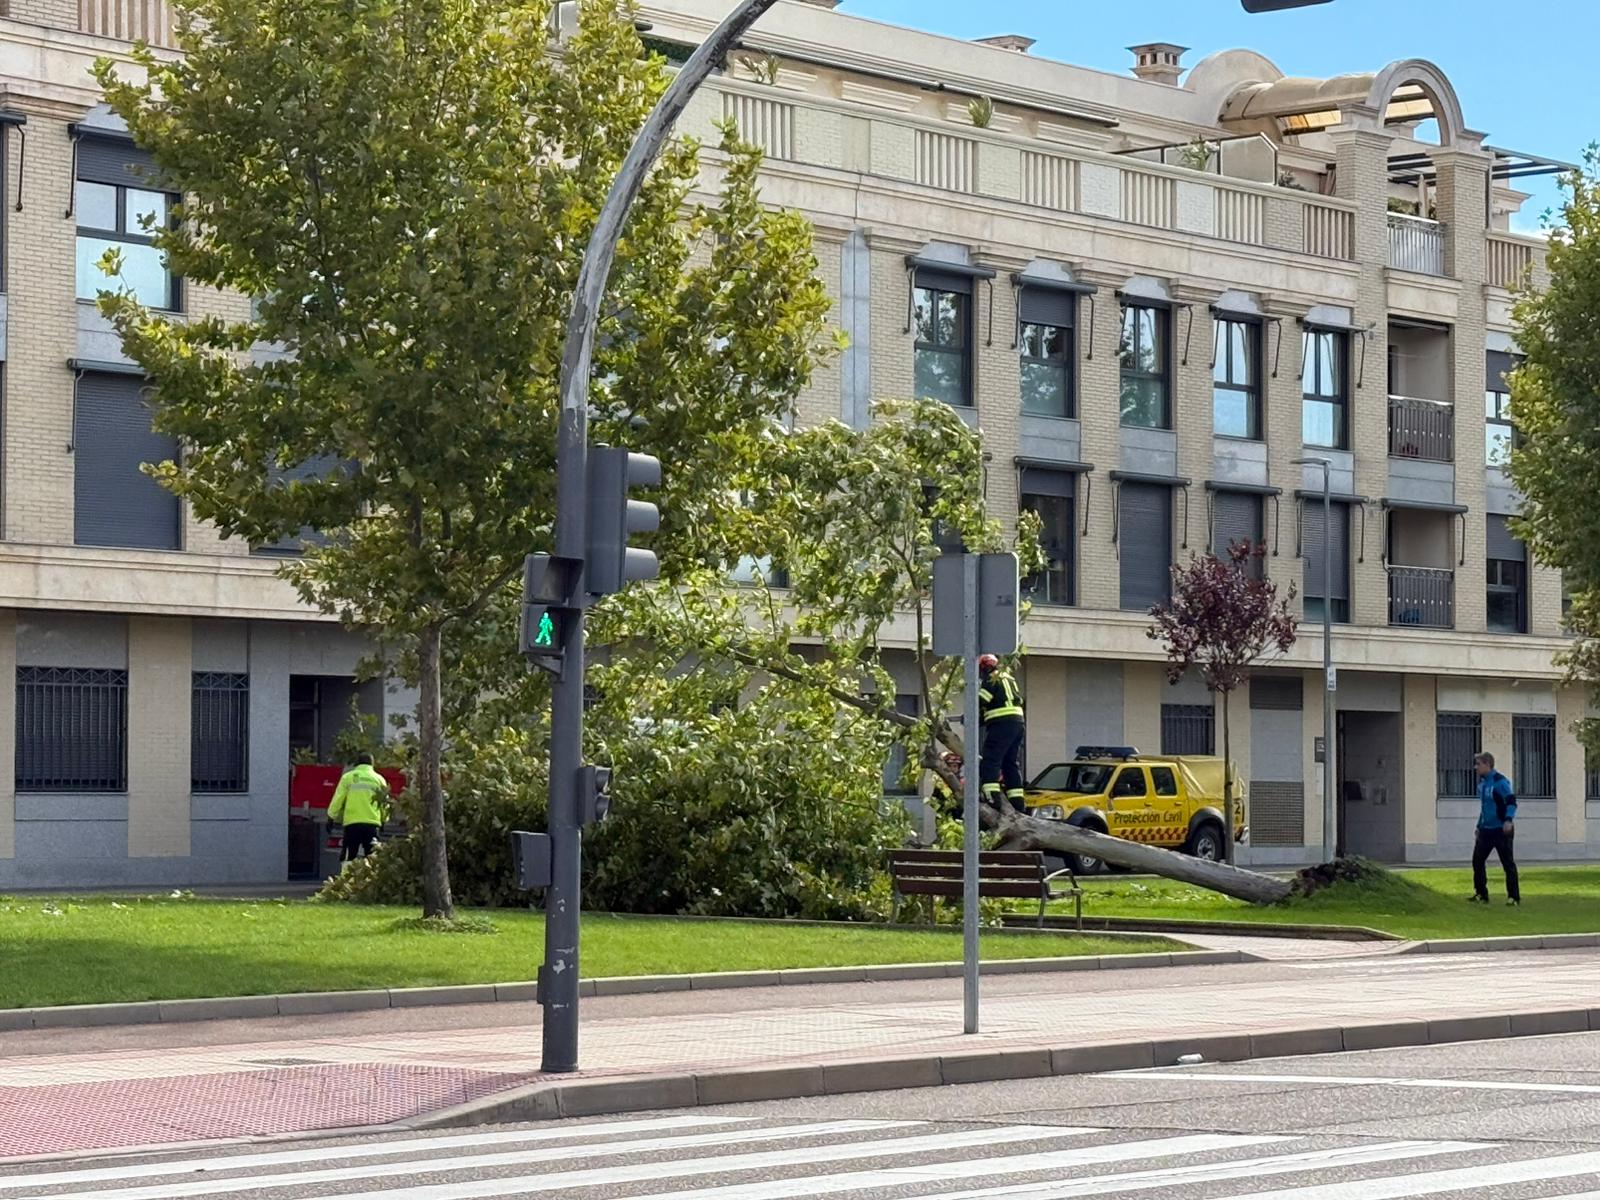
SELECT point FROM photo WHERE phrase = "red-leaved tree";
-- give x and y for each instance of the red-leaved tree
(1224, 618)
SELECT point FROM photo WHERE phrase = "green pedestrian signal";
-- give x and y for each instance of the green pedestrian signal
(546, 636)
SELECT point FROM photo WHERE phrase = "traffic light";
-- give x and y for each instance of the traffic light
(594, 794)
(546, 608)
(1261, 6)
(611, 563)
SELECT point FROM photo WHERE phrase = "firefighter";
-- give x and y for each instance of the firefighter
(361, 805)
(1001, 720)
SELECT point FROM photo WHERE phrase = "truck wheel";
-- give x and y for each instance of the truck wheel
(1084, 864)
(1206, 842)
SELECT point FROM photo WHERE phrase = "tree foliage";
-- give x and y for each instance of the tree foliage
(407, 188)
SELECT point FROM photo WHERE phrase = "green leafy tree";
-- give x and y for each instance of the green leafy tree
(407, 186)
(1555, 408)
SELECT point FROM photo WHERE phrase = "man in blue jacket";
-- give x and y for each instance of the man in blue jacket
(1497, 814)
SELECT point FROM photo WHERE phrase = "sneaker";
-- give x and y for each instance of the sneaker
(1513, 902)
(1477, 899)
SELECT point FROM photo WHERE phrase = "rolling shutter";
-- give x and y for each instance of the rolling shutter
(1311, 541)
(1498, 365)
(1501, 543)
(115, 160)
(1235, 517)
(1046, 306)
(1144, 541)
(116, 503)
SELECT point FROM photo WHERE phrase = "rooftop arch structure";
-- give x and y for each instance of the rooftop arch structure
(1412, 89)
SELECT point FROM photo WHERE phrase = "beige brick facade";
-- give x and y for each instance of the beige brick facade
(159, 656)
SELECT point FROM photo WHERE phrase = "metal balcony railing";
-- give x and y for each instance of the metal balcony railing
(1416, 244)
(1423, 596)
(1424, 429)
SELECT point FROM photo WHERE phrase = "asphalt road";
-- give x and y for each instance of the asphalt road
(1504, 1120)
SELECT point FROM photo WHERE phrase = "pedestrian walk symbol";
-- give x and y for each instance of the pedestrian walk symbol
(546, 636)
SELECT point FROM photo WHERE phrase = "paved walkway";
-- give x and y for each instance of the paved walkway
(1277, 949)
(141, 1087)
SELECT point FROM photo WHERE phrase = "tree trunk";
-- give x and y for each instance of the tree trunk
(1227, 780)
(1018, 832)
(436, 900)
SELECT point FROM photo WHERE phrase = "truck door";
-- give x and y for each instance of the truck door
(1129, 804)
(1172, 829)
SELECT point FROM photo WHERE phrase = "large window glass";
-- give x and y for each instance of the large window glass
(943, 325)
(1054, 585)
(1324, 386)
(1236, 380)
(124, 219)
(1508, 589)
(1046, 370)
(1146, 382)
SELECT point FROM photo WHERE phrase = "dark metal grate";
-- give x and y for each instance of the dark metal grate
(1188, 729)
(1458, 738)
(219, 737)
(72, 729)
(1533, 754)
(1277, 814)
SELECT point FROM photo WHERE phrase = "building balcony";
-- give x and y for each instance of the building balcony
(1416, 244)
(149, 21)
(1422, 429)
(1422, 596)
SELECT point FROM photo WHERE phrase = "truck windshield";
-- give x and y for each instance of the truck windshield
(1089, 778)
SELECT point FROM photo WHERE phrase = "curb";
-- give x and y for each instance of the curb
(1547, 941)
(298, 1004)
(1179, 927)
(581, 1097)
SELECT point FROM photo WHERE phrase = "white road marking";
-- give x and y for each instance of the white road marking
(282, 1158)
(1477, 1085)
(511, 1158)
(1401, 1187)
(822, 1185)
(1248, 1168)
(526, 1185)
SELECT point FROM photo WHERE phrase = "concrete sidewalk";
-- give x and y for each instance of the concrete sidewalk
(77, 1090)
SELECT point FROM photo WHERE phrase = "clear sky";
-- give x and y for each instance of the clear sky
(1527, 71)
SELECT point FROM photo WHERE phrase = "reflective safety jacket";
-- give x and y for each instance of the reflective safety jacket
(362, 798)
(999, 696)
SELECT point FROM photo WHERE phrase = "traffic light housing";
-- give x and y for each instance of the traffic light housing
(547, 607)
(594, 794)
(611, 563)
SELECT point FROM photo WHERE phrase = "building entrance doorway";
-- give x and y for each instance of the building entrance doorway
(321, 707)
(1371, 786)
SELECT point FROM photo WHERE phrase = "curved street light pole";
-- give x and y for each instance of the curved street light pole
(558, 978)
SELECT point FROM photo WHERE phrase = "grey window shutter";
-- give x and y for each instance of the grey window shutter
(1236, 517)
(1498, 365)
(116, 503)
(1046, 306)
(1040, 481)
(115, 160)
(1311, 543)
(1144, 541)
(1501, 543)
(319, 467)
(944, 281)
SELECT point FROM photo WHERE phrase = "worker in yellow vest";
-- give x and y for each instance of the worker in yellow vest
(361, 804)
(1003, 726)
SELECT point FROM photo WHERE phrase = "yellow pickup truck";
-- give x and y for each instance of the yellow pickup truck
(1173, 801)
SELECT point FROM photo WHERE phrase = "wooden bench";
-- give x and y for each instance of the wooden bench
(1002, 875)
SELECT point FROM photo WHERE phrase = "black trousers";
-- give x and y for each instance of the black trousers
(358, 840)
(1500, 842)
(1001, 764)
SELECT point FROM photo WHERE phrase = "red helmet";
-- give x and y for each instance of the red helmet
(987, 662)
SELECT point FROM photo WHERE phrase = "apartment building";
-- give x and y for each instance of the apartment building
(1153, 292)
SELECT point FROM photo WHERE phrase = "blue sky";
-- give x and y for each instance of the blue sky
(1525, 69)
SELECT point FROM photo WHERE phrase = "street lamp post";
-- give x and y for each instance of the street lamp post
(1330, 819)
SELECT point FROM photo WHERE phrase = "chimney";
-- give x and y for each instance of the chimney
(1009, 41)
(1159, 62)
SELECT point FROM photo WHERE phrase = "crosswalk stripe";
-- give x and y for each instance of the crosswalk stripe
(1279, 1164)
(282, 1158)
(524, 1185)
(821, 1185)
(1484, 1085)
(1397, 1187)
(247, 1183)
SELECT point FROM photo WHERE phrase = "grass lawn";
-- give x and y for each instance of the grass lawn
(1428, 903)
(87, 951)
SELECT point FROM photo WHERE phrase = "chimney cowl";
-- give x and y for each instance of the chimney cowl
(1008, 41)
(1158, 62)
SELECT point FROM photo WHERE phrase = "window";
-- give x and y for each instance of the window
(1046, 319)
(1324, 360)
(1165, 779)
(322, 466)
(115, 502)
(1188, 729)
(1050, 495)
(1236, 517)
(894, 766)
(1498, 432)
(1130, 782)
(72, 730)
(115, 217)
(1507, 579)
(1236, 380)
(1326, 595)
(1533, 754)
(943, 327)
(1144, 544)
(219, 732)
(1458, 737)
(1591, 776)
(1146, 399)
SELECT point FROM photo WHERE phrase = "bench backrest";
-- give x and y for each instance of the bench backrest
(994, 866)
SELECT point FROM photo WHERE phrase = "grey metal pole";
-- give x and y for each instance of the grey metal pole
(558, 978)
(1330, 811)
(970, 824)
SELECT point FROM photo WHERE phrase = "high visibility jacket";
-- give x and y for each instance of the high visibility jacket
(998, 696)
(362, 798)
